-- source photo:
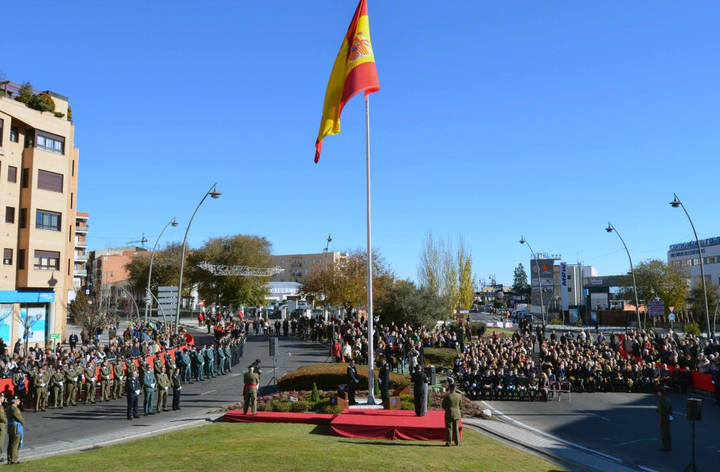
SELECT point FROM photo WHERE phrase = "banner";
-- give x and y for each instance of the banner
(31, 325)
(564, 285)
(6, 316)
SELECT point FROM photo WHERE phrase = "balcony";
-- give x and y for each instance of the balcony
(81, 257)
(81, 228)
(79, 243)
(80, 272)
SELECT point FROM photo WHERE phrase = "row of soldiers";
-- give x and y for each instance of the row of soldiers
(66, 383)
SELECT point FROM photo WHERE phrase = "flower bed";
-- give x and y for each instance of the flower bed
(330, 376)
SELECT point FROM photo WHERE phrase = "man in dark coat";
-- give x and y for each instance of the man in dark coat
(132, 389)
(420, 391)
(177, 387)
(352, 381)
(384, 380)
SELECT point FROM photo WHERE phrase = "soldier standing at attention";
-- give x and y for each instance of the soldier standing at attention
(3, 423)
(132, 388)
(70, 385)
(451, 405)
(251, 380)
(58, 387)
(163, 383)
(177, 387)
(221, 359)
(15, 431)
(118, 368)
(41, 390)
(149, 382)
(90, 379)
(664, 410)
(105, 372)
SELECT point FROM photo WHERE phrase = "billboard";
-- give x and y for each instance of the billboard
(6, 316)
(541, 276)
(564, 285)
(31, 324)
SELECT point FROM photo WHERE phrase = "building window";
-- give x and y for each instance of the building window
(48, 220)
(24, 178)
(9, 214)
(21, 259)
(1, 131)
(14, 134)
(50, 181)
(23, 217)
(72, 196)
(49, 142)
(47, 260)
(12, 174)
(73, 168)
(7, 256)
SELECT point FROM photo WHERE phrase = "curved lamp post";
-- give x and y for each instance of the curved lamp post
(537, 264)
(148, 297)
(677, 203)
(212, 193)
(610, 228)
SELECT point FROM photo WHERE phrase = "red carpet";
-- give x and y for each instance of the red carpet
(278, 417)
(390, 424)
(358, 423)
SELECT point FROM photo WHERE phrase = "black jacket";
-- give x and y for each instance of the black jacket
(131, 386)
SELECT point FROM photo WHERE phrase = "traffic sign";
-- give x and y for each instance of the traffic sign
(54, 335)
(656, 307)
(169, 288)
(671, 317)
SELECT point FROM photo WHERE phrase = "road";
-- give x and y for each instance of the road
(624, 426)
(52, 429)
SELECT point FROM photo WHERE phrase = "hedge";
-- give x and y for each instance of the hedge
(330, 376)
(440, 356)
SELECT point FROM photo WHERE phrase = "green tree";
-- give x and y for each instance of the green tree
(520, 281)
(344, 282)
(166, 269)
(245, 250)
(656, 279)
(405, 303)
(466, 280)
(696, 301)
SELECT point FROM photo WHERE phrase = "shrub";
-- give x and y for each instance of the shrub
(440, 356)
(332, 410)
(692, 328)
(330, 376)
(25, 94)
(42, 102)
(299, 407)
(556, 321)
(281, 405)
(58, 114)
(315, 394)
(579, 321)
(266, 406)
(69, 114)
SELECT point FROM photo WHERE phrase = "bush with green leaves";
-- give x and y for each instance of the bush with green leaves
(557, 321)
(692, 328)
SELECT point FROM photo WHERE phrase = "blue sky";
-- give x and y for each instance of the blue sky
(494, 119)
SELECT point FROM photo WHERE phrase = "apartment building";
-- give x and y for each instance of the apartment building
(80, 273)
(38, 194)
(106, 268)
(299, 266)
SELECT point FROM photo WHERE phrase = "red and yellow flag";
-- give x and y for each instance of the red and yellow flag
(354, 72)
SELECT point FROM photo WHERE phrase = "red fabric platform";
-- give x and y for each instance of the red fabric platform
(237, 416)
(390, 424)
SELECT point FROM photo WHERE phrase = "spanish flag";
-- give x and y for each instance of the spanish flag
(354, 72)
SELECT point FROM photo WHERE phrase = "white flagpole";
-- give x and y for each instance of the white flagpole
(371, 336)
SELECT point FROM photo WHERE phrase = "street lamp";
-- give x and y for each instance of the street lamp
(677, 203)
(148, 299)
(610, 228)
(213, 193)
(537, 265)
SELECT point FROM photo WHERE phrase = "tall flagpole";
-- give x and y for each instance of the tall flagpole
(371, 335)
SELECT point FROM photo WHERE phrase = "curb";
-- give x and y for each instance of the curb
(85, 445)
